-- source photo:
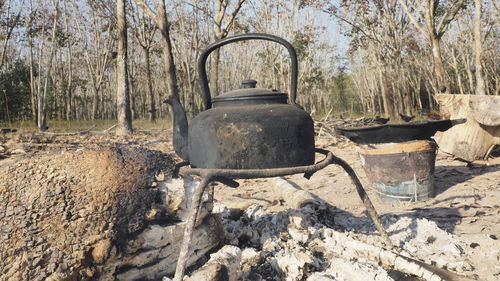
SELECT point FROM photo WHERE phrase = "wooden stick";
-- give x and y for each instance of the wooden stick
(188, 230)
(70, 134)
(109, 129)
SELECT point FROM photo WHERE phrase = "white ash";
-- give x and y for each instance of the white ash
(423, 239)
(223, 265)
(178, 193)
(301, 244)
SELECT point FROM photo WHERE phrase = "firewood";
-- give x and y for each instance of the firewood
(476, 138)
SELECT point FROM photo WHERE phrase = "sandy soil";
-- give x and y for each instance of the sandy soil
(466, 202)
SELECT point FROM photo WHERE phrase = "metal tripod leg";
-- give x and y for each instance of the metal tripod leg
(372, 213)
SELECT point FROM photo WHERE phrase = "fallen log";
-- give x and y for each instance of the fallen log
(294, 196)
(475, 139)
(70, 134)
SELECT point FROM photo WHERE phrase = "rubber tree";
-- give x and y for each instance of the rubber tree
(40, 72)
(161, 20)
(223, 22)
(478, 49)
(122, 89)
(145, 31)
(432, 21)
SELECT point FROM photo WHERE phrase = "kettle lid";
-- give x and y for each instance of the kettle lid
(250, 92)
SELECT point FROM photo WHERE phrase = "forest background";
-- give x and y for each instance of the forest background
(120, 59)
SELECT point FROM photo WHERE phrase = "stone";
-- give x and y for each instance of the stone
(100, 251)
(18, 151)
(223, 265)
(211, 272)
(250, 257)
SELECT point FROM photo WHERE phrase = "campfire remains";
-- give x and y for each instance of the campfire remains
(308, 240)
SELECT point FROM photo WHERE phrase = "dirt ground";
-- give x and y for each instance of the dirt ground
(466, 201)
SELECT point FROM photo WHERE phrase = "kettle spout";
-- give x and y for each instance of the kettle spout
(180, 128)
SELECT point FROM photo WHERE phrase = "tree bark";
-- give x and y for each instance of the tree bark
(214, 61)
(386, 96)
(214, 72)
(34, 101)
(69, 86)
(168, 56)
(95, 99)
(151, 98)
(478, 50)
(122, 91)
(438, 64)
(457, 70)
(221, 31)
(161, 20)
(42, 99)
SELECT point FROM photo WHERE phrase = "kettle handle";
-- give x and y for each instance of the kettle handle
(205, 89)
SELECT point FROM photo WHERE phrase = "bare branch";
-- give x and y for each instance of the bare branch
(146, 9)
(448, 17)
(231, 19)
(413, 20)
(353, 25)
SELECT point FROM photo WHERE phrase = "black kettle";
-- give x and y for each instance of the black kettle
(247, 128)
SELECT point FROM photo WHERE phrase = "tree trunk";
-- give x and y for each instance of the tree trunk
(470, 75)
(438, 66)
(122, 91)
(151, 98)
(95, 99)
(214, 72)
(69, 85)
(478, 50)
(386, 97)
(161, 20)
(69, 89)
(214, 62)
(34, 101)
(133, 97)
(168, 56)
(457, 71)
(42, 100)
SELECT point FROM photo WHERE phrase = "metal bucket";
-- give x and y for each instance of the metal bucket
(401, 172)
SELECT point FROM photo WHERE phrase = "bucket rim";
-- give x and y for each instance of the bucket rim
(397, 148)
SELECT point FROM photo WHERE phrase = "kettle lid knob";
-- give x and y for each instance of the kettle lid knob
(249, 83)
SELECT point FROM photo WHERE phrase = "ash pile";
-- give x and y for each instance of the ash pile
(316, 241)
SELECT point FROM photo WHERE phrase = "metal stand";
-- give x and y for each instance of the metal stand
(227, 177)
